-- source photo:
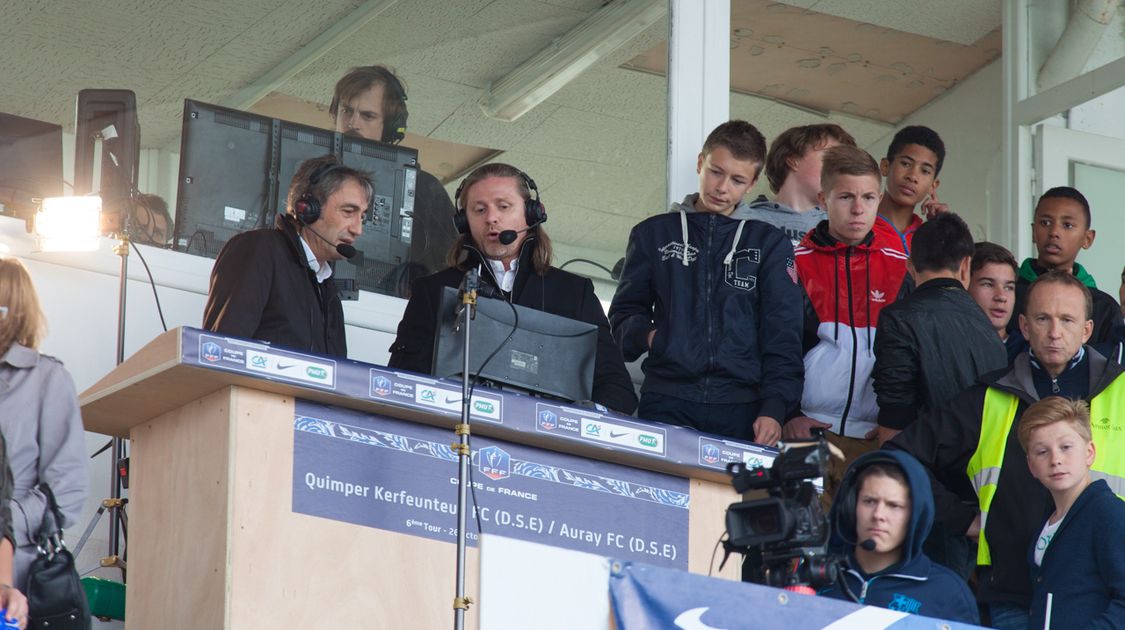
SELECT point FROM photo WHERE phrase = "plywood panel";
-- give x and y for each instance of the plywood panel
(706, 523)
(178, 511)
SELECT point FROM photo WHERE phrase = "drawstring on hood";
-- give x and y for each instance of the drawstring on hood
(741, 213)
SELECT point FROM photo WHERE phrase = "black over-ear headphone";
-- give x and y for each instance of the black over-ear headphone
(534, 213)
(394, 130)
(307, 207)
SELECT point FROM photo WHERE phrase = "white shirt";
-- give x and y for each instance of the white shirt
(1044, 540)
(506, 277)
(323, 271)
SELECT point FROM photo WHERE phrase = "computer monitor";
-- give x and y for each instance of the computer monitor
(235, 171)
(545, 354)
(31, 168)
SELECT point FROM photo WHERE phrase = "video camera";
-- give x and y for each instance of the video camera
(784, 537)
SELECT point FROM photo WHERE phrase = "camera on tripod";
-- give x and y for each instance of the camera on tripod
(784, 537)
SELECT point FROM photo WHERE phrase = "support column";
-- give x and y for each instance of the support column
(698, 84)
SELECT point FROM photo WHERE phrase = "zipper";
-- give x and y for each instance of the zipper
(855, 340)
(1055, 386)
(710, 308)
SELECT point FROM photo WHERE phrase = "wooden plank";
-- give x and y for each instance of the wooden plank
(179, 507)
(706, 524)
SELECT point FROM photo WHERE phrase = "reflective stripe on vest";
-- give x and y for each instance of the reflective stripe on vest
(984, 467)
(1107, 424)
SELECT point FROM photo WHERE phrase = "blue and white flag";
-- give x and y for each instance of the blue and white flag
(646, 596)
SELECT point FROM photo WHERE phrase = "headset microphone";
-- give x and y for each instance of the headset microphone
(343, 249)
(507, 237)
(868, 545)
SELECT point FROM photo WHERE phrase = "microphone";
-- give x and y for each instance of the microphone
(507, 237)
(343, 249)
(868, 545)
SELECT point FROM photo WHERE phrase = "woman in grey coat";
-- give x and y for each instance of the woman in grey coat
(39, 417)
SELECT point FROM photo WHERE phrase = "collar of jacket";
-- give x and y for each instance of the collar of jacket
(1031, 269)
(20, 357)
(474, 257)
(940, 283)
(289, 226)
(821, 239)
(1017, 379)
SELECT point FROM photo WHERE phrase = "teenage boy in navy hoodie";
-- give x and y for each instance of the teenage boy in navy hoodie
(880, 516)
(1078, 559)
(712, 297)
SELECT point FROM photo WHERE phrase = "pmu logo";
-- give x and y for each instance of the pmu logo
(494, 463)
(316, 372)
(381, 385)
(710, 454)
(647, 440)
(484, 406)
(212, 352)
(548, 420)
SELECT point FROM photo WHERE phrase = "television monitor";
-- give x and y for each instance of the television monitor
(545, 354)
(235, 171)
(31, 164)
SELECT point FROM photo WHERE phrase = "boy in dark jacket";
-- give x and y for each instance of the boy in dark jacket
(1078, 561)
(1061, 229)
(936, 341)
(711, 296)
(879, 518)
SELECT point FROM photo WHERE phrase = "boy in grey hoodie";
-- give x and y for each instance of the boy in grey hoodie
(793, 170)
(711, 296)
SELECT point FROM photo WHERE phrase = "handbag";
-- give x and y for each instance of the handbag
(55, 597)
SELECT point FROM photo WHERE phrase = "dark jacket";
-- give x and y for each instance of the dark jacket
(930, 346)
(557, 292)
(914, 584)
(945, 441)
(727, 314)
(1109, 327)
(1083, 568)
(262, 288)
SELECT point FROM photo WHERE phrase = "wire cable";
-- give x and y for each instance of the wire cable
(152, 283)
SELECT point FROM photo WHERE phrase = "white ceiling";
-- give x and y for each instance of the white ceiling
(596, 148)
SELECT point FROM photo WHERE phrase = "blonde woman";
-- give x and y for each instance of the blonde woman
(39, 418)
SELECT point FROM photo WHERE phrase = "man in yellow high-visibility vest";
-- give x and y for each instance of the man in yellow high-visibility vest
(981, 481)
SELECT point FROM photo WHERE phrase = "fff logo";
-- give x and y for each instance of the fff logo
(494, 463)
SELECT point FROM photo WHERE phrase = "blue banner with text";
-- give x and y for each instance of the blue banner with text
(390, 474)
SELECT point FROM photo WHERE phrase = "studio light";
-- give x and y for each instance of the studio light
(68, 224)
(536, 79)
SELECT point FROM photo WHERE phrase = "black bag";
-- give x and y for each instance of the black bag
(55, 597)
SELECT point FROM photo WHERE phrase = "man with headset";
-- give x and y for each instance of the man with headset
(498, 217)
(275, 284)
(370, 102)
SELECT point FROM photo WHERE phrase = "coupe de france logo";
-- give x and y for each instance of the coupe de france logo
(212, 352)
(494, 463)
(710, 453)
(381, 385)
(548, 420)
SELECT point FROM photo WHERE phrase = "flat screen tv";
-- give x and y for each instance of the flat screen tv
(235, 172)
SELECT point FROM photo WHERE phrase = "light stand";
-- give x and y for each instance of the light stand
(461, 603)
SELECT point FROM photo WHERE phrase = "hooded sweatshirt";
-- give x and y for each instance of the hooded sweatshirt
(914, 584)
(847, 286)
(721, 294)
(1108, 325)
(795, 224)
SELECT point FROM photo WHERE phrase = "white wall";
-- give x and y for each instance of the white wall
(968, 119)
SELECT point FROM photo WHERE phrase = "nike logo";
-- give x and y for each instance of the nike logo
(617, 435)
(285, 366)
(450, 401)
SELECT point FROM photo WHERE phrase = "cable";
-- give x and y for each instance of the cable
(711, 565)
(152, 283)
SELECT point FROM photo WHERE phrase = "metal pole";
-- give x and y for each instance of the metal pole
(118, 450)
(460, 601)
